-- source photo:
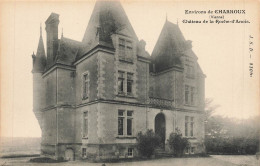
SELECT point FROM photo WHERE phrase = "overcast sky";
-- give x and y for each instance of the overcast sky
(222, 51)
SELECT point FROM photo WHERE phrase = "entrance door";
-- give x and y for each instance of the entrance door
(69, 155)
(160, 128)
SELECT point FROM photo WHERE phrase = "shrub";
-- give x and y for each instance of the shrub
(146, 143)
(177, 143)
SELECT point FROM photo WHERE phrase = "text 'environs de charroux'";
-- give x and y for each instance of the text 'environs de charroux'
(215, 11)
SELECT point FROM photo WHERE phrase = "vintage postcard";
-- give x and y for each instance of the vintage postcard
(130, 82)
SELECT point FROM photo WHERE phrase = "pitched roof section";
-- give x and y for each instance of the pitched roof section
(108, 17)
(169, 47)
(67, 51)
(39, 61)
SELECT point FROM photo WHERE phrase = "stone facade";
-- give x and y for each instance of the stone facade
(92, 98)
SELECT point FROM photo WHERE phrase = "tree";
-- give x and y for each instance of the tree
(212, 126)
(177, 143)
(146, 143)
(230, 135)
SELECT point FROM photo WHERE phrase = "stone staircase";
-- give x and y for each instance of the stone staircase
(162, 153)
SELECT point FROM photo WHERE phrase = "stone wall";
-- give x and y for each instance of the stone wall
(66, 87)
(89, 66)
(49, 127)
(50, 84)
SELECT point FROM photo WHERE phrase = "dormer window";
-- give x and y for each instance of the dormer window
(190, 71)
(125, 50)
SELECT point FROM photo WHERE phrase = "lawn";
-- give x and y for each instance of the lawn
(214, 160)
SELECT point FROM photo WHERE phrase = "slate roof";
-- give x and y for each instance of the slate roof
(67, 51)
(39, 61)
(108, 17)
(170, 46)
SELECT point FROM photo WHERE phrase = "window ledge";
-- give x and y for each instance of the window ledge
(84, 98)
(126, 61)
(125, 137)
(189, 105)
(190, 77)
(124, 95)
(189, 137)
(84, 137)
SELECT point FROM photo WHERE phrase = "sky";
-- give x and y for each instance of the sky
(222, 51)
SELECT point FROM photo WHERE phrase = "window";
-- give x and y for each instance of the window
(189, 95)
(84, 152)
(130, 152)
(186, 125)
(125, 128)
(125, 50)
(186, 94)
(192, 150)
(190, 72)
(191, 126)
(85, 86)
(125, 87)
(129, 122)
(120, 122)
(120, 82)
(192, 95)
(186, 150)
(85, 124)
(129, 83)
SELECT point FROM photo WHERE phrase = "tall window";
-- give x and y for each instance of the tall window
(186, 125)
(84, 152)
(85, 86)
(125, 127)
(125, 50)
(120, 82)
(187, 94)
(129, 122)
(129, 83)
(125, 83)
(85, 124)
(129, 50)
(120, 122)
(192, 95)
(191, 126)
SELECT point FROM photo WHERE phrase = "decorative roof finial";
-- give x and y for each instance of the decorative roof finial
(61, 32)
(41, 29)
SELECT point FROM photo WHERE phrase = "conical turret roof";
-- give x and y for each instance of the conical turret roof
(108, 17)
(169, 47)
(40, 58)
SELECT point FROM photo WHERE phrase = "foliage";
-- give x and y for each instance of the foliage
(177, 143)
(231, 145)
(229, 135)
(147, 142)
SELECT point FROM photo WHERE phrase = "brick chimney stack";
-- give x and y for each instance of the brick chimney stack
(52, 24)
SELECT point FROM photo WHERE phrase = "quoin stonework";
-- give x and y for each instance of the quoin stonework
(92, 98)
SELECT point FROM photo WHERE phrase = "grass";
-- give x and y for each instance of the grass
(20, 155)
(46, 160)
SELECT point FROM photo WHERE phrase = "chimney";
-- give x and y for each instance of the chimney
(52, 24)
